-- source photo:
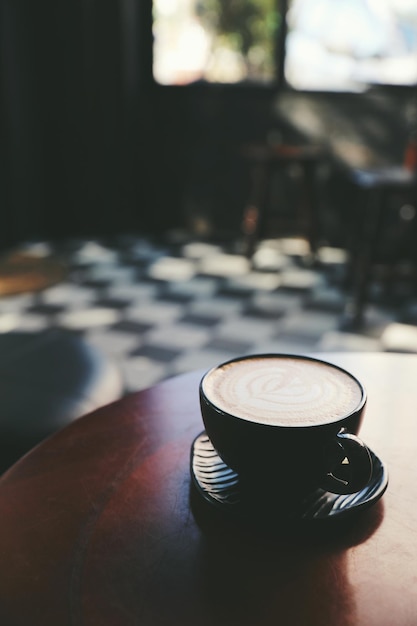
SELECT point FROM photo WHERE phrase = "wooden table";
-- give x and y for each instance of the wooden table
(96, 525)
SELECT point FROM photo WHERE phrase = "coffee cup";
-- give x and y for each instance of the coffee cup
(287, 422)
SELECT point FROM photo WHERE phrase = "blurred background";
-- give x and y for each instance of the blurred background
(187, 180)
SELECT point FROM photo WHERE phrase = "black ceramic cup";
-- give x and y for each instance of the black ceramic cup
(287, 422)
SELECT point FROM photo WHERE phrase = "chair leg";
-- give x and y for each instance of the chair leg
(363, 255)
(253, 212)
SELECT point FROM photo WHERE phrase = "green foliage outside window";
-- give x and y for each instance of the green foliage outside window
(248, 27)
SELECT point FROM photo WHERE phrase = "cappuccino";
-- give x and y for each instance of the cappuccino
(283, 390)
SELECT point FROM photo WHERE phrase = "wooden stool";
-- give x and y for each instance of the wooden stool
(264, 160)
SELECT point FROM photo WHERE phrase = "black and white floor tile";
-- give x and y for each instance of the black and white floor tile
(160, 308)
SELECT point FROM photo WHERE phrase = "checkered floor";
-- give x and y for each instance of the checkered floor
(160, 308)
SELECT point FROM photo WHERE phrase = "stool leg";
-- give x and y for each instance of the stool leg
(253, 211)
(363, 255)
(311, 205)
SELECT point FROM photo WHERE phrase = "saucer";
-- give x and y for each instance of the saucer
(219, 485)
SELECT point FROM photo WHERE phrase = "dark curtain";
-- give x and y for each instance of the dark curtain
(76, 118)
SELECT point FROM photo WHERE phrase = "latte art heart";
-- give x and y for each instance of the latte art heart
(283, 390)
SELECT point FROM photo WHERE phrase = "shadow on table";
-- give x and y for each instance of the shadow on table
(298, 573)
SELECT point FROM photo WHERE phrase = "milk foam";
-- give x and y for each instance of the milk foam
(283, 391)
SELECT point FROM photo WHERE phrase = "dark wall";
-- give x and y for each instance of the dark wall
(90, 145)
(75, 162)
(202, 130)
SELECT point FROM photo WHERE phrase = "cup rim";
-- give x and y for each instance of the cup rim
(284, 355)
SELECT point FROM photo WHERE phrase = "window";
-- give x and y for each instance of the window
(349, 44)
(215, 41)
(331, 45)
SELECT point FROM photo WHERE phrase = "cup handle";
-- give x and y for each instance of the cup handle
(351, 465)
